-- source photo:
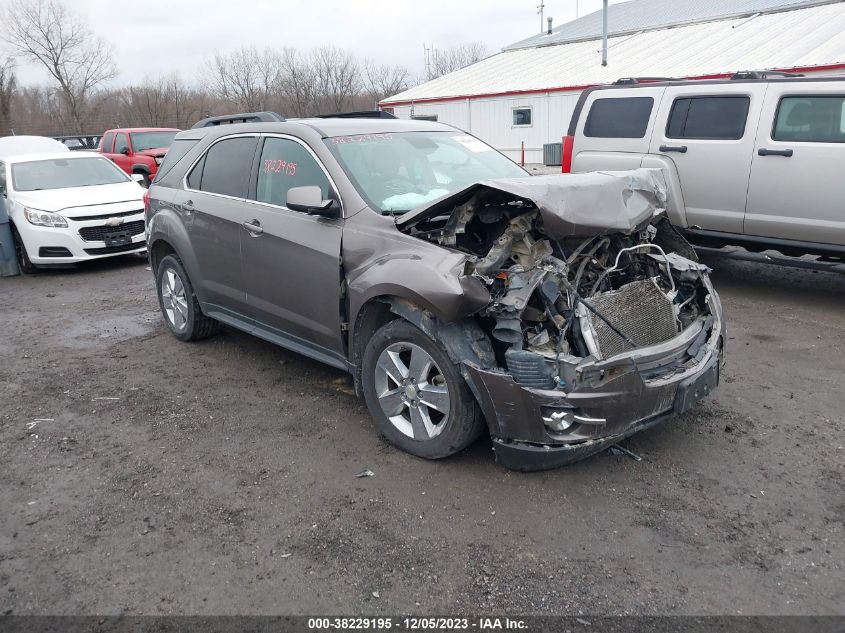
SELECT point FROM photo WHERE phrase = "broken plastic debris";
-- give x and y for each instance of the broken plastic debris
(376, 594)
(285, 555)
(105, 398)
(617, 449)
(365, 473)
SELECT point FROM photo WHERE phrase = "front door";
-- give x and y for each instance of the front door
(213, 208)
(292, 261)
(120, 155)
(708, 137)
(797, 186)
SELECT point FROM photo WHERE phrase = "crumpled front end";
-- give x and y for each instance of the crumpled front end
(594, 337)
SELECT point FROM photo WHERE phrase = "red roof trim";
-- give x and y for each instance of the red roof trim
(510, 93)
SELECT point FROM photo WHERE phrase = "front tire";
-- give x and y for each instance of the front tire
(24, 263)
(179, 304)
(416, 394)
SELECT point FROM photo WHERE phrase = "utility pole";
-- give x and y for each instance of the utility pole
(604, 33)
(540, 8)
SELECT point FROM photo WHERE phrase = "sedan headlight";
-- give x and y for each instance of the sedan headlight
(43, 218)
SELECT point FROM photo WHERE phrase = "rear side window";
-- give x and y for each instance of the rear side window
(619, 118)
(177, 151)
(226, 167)
(108, 141)
(286, 164)
(817, 119)
(711, 118)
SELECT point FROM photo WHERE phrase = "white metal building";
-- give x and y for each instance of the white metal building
(527, 92)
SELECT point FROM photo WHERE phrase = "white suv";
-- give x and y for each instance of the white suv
(756, 160)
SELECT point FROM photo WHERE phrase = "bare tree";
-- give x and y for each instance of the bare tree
(248, 77)
(382, 81)
(8, 86)
(46, 32)
(297, 84)
(445, 61)
(337, 78)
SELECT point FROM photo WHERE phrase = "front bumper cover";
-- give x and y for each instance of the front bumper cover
(615, 398)
(527, 457)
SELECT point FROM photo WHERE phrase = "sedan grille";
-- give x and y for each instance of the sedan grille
(97, 233)
(640, 310)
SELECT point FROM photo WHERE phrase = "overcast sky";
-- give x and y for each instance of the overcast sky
(158, 37)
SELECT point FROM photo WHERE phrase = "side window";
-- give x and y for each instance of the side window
(225, 168)
(108, 141)
(195, 177)
(2, 178)
(712, 118)
(522, 116)
(625, 117)
(121, 144)
(286, 164)
(816, 119)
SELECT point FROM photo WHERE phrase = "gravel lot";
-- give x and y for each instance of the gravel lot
(143, 475)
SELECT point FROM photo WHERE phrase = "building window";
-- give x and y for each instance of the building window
(810, 119)
(625, 117)
(711, 118)
(425, 117)
(521, 116)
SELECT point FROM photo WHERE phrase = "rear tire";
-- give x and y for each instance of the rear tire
(179, 304)
(24, 263)
(416, 394)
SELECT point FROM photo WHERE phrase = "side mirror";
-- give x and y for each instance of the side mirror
(139, 178)
(124, 151)
(310, 200)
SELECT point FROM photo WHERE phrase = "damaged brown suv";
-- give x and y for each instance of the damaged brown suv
(559, 313)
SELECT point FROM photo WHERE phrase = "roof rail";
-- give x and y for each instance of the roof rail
(243, 117)
(639, 80)
(362, 114)
(763, 74)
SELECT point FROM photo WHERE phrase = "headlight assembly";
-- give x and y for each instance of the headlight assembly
(43, 218)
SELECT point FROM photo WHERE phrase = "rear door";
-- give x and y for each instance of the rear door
(709, 136)
(213, 208)
(292, 264)
(797, 185)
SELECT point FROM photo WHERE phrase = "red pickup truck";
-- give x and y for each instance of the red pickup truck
(137, 150)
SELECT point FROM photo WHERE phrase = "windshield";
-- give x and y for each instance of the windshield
(60, 173)
(151, 140)
(399, 172)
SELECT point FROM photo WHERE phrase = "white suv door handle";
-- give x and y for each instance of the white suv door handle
(774, 152)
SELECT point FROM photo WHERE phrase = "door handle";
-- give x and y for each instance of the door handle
(774, 152)
(254, 227)
(674, 148)
(187, 207)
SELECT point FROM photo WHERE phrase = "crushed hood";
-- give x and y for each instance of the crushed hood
(570, 205)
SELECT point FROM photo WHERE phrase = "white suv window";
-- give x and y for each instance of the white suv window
(624, 117)
(708, 117)
(811, 119)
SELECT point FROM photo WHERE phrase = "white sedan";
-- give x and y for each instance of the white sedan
(68, 207)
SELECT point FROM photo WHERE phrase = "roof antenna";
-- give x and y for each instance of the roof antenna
(604, 33)
(540, 8)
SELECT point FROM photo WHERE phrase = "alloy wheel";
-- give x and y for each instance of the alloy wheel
(412, 391)
(174, 300)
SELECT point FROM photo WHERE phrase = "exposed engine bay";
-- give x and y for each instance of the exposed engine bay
(577, 267)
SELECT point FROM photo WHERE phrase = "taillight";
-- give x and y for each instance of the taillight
(147, 203)
(566, 155)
